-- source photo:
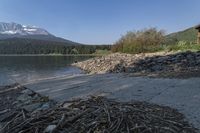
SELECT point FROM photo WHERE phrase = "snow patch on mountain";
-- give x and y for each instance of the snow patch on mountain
(26, 29)
(14, 28)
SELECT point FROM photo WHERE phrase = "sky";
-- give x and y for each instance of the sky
(101, 21)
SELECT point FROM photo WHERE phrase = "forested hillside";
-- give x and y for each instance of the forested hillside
(32, 46)
(188, 35)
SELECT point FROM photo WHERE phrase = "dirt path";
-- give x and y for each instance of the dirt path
(182, 94)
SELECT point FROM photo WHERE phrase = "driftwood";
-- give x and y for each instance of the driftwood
(8, 88)
(100, 115)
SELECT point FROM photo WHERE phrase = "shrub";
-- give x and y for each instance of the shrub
(182, 46)
(147, 40)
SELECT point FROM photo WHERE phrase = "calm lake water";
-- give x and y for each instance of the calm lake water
(24, 69)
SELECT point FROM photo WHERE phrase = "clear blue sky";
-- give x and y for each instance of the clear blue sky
(101, 21)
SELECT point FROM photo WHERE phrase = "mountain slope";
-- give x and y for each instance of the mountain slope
(188, 35)
(14, 30)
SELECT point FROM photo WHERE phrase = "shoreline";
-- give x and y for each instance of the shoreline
(181, 94)
(125, 87)
(51, 55)
(77, 103)
(160, 64)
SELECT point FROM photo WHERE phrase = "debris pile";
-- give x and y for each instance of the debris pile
(151, 63)
(15, 99)
(98, 114)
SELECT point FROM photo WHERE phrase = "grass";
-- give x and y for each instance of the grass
(167, 48)
(181, 46)
(102, 52)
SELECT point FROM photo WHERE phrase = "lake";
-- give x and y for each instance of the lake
(23, 69)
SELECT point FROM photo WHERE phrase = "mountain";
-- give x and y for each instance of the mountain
(14, 30)
(21, 39)
(188, 35)
(18, 29)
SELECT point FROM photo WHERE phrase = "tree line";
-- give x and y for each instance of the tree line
(31, 46)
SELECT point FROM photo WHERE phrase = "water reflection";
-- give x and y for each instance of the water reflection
(26, 68)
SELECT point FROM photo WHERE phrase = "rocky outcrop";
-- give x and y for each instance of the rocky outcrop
(142, 63)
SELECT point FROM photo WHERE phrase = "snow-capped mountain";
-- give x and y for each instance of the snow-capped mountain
(14, 30)
(18, 29)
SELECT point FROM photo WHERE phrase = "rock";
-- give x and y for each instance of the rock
(36, 97)
(50, 128)
(28, 92)
(67, 105)
(32, 107)
(24, 97)
(44, 106)
(157, 68)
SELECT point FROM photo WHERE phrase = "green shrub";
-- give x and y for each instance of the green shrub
(182, 46)
(147, 40)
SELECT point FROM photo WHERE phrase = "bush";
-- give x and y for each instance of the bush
(182, 46)
(147, 40)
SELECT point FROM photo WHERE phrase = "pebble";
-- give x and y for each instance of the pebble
(50, 128)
